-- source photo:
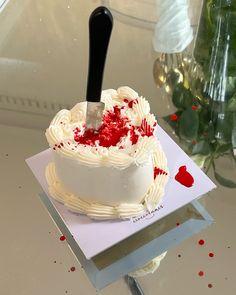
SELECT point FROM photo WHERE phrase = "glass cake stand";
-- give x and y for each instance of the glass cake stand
(138, 249)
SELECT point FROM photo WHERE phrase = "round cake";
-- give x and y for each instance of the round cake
(118, 171)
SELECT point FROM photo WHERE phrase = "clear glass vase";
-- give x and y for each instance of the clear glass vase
(204, 95)
(215, 52)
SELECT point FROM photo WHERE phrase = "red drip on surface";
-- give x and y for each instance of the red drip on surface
(201, 242)
(62, 238)
(210, 285)
(72, 268)
(201, 273)
(211, 254)
(159, 171)
(184, 177)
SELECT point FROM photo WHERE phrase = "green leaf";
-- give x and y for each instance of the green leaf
(202, 147)
(224, 181)
(188, 124)
(231, 106)
(178, 96)
(182, 97)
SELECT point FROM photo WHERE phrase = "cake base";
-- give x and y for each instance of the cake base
(100, 211)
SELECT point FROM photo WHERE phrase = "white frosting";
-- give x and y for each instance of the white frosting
(106, 182)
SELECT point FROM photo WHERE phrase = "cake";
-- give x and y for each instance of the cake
(119, 171)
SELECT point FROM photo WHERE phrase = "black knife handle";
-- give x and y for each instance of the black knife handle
(100, 27)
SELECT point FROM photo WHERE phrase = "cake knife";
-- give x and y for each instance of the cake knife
(100, 27)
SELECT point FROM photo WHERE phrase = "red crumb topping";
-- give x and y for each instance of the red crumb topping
(114, 127)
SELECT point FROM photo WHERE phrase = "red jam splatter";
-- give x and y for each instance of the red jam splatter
(194, 107)
(201, 242)
(146, 128)
(184, 177)
(158, 171)
(211, 254)
(72, 268)
(210, 285)
(133, 136)
(132, 102)
(62, 238)
(201, 273)
(113, 128)
(174, 117)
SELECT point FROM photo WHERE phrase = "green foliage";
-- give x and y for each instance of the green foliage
(182, 97)
(206, 124)
(188, 124)
(203, 134)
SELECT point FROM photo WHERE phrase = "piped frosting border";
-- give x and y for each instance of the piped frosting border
(59, 134)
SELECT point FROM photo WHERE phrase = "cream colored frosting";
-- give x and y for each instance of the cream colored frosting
(73, 161)
(61, 131)
(148, 268)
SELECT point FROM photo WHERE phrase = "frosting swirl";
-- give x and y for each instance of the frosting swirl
(131, 140)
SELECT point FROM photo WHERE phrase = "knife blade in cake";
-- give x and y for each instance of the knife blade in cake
(100, 27)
